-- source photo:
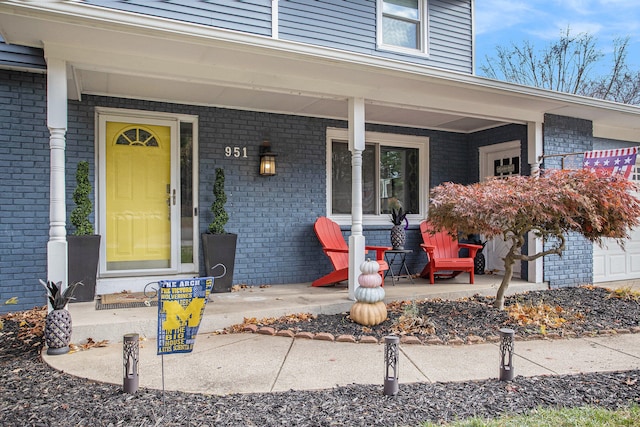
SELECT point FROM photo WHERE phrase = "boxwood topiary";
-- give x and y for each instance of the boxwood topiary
(80, 214)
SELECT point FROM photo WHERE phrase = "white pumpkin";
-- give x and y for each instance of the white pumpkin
(369, 267)
(369, 295)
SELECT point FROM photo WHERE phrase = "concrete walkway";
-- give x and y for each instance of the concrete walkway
(247, 363)
(244, 363)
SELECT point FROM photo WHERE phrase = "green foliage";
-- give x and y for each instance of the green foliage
(58, 299)
(587, 416)
(220, 215)
(411, 309)
(80, 214)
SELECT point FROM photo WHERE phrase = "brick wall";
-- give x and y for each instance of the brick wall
(273, 216)
(24, 199)
(575, 266)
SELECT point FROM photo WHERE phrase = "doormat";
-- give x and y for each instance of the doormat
(125, 300)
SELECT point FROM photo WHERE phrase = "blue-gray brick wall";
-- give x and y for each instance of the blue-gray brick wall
(611, 144)
(24, 199)
(575, 266)
(273, 216)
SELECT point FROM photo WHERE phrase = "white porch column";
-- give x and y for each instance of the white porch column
(534, 151)
(57, 124)
(356, 146)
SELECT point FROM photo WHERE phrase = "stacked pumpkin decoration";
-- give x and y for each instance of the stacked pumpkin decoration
(369, 308)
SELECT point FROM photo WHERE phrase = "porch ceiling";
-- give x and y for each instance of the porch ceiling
(117, 54)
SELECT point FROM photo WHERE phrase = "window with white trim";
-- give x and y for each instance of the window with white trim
(393, 175)
(402, 25)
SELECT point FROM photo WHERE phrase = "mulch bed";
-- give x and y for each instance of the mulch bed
(32, 394)
(560, 313)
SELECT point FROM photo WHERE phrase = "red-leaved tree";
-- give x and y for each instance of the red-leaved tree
(549, 206)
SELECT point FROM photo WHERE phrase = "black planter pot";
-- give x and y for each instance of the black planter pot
(219, 249)
(84, 253)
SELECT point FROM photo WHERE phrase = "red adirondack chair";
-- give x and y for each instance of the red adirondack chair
(336, 248)
(442, 251)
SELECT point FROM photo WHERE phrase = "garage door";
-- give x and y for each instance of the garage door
(611, 262)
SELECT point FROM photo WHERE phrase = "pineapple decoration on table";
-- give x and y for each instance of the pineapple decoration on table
(57, 330)
(369, 308)
(398, 233)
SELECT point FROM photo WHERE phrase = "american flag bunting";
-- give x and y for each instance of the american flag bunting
(610, 162)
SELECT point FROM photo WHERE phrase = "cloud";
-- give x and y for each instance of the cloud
(546, 19)
(497, 15)
(578, 7)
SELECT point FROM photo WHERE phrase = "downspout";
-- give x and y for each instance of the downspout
(356, 146)
(57, 124)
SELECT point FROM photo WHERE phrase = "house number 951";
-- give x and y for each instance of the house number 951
(235, 151)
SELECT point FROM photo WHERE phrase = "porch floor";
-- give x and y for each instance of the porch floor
(226, 309)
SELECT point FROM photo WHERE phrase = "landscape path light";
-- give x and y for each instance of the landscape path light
(391, 343)
(130, 359)
(506, 354)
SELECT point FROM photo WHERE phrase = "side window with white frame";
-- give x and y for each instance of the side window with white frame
(393, 175)
(635, 172)
(402, 25)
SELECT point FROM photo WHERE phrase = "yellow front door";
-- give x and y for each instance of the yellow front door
(138, 197)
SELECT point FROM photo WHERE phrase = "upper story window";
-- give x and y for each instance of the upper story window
(402, 25)
(393, 175)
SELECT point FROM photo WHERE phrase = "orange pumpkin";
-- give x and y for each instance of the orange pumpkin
(369, 314)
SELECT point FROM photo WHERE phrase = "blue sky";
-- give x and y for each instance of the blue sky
(500, 22)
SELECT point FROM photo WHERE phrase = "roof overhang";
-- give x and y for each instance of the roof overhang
(119, 54)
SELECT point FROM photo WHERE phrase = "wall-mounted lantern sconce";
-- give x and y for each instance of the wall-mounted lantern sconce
(267, 159)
